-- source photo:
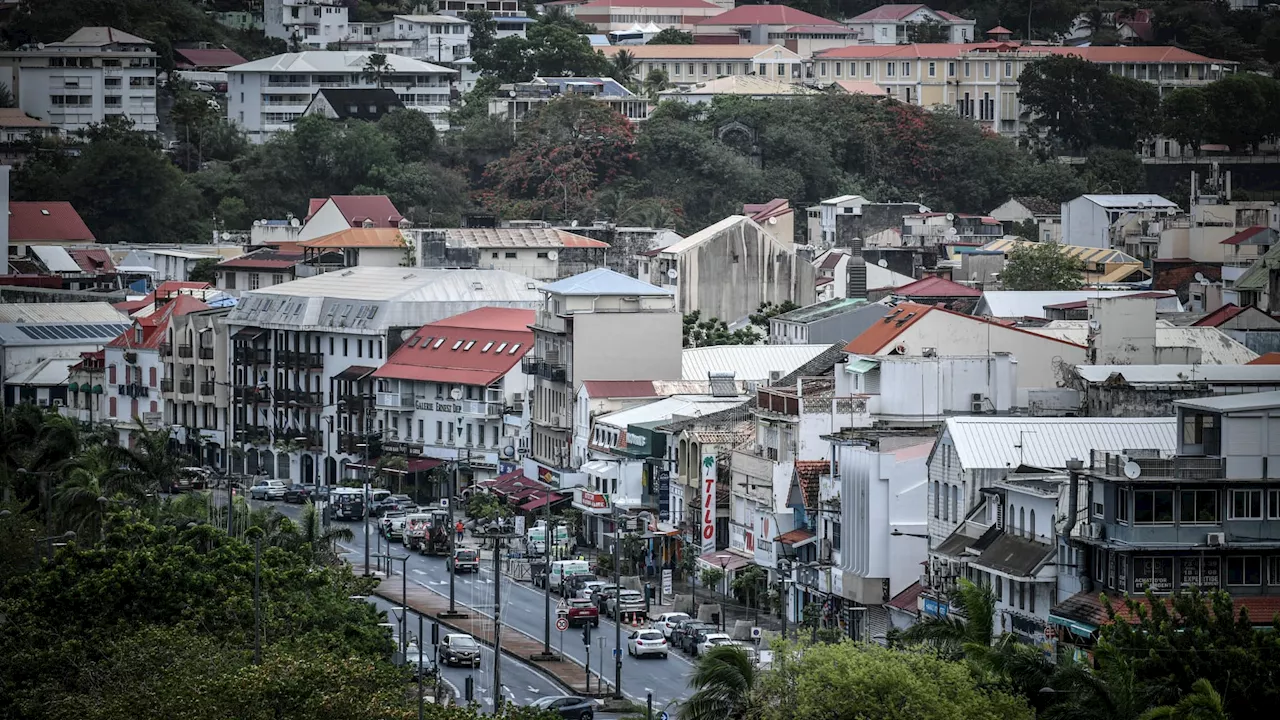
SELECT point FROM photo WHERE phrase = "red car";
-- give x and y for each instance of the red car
(581, 612)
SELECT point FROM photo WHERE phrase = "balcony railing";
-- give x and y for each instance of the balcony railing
(184, 351)
(247, 394)
(394, 401)
(166, 385)
(539, 367)
(166, 350)
(299, 358)
(186, 387)
(206, 389)
(355, 403)
(302, 397)
(251, 356)
(1182, 467)
(206, 353)
(252, 433)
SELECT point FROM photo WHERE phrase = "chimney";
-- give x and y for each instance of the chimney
(4, 226)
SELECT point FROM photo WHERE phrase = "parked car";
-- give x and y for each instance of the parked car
(602, 595)
(682, 628)
(646, 642)
(570, 707)
(299, 493)
(581, 612)
(190, 478)
(465, 560)
(202, 86)
(573, 584)
(267, 490)
(710, 640)
(393, 502)
(589, 589)
(459, 649)
(666, 622)
(626, 606)
(695, 634)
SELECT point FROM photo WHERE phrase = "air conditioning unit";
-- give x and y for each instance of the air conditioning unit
(977, 402)
(517, 398)
(775, 376)
(1093, 531)
(1216, 539)
(43, 402)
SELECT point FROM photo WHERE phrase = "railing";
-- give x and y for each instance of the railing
(299, 358)
(206, 353)
(481, 408)
(247, 394)
(206, 389)
(251, 356)
(302, 397)
(252, 433)
(184, 351)
(393, 401)
(166, 350)
(555, 372)
(550, 322)
(133, 390)
(166, 385)
(1178, 467)
(186, 387)
(357, 403)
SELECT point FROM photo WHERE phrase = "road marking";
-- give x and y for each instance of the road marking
(534, 690)
(416, 571)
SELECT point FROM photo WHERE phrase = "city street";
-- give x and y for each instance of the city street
(522, 611)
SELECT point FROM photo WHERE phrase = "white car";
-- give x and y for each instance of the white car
(589, 588)
(201, 86)
(710, 641)
(267, 490)
(647, 642)
(666, 622)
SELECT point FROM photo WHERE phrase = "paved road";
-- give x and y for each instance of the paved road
(667, 679)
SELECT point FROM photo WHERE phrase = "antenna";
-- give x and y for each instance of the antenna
(1132, 470)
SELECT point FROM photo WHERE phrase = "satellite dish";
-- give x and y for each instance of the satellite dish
(951, 216)
(294, 222)
(773, 221)
(882, 263)
(1132, 470)
(226, 236)
(508, 451)
(673, 274)
(1200, 278)
(456, 393)
(552, 255)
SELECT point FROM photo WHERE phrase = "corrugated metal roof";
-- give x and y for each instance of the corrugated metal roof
(666, 408)
(1080, 252)
(53, 371)
(56, 258)
(87, 312)
(1216, 347)
(1174, 374)
(746, 362)
(334, 61)
(517, 238)
(1000, 443)
(1031, 303)
(1131, 201)
(1235, 403)
(603, 281)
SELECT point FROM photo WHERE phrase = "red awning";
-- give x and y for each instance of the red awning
(418, 465)
(543, 500)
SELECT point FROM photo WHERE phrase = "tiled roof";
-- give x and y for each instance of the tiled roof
(615, 4)
(700, 51)
(518, 238)
(620, 388)
(878, 336)
(213, 57)
(1271, 358)
(358, 237)
(744, 15)
(93, 260)
(268, 259)
(358, 208)
(1038, 205)
(892, 12)
(821, 29)
(35, 221)
(1219, 316)
(808, 476)
(155, 326)
(859, 87)
(999, 30)
(936, 287)
(15, 117)
(475, 348)
(909, 599)
(1101, 54)
(1246, 234)
(1087, 607)
(791, 537)
(101, 35)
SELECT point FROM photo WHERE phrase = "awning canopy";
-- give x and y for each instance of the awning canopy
(97, 389)
(356, 372)
(73, 387)
(542, 499)
(248, 333)
(861, 365)
(797, 538)
(730, 562)
(418, 465)
(601, 468)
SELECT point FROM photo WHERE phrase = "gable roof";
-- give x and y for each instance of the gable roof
(1255, 276)
(1271, 358)
(1252, 233)
(475, 348)
(16, 117)
(335, 61)
(358, 237)
(897, 12)
(699, 51)
(603, 281)
(46, 221)
(766, 15)
(517, 238)
(1219, 316)
(1038, 205)
(358, 208)
(859, 87)
(1100, 54)
(212, 57)
(936, 287)
(155, 325)
(359, 103)
(269, 258)
(620, 388)
(93, 260)
(905, 314)
(98, 36)
(1001, 443)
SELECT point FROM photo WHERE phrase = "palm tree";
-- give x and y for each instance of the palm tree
(968, 628)
(93, 476)
(724, 682)
(624, 67)
(152, 459)
(1202, 703)
(1109, 691)
(312, 535)
(655, 82)
(376, 69)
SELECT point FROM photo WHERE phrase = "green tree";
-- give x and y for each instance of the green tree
(929, 31)
(484, 29)
(1079, 105)
(1243, 110)
(152, 460)
(768, 310)
(1185, 117)
(624, 68)
(486, 507)
(748, 584)
(558, 50)
(724, 685)
(1112, 170)
(1040, 266)
(710, 578)
(714, 331)
(510, 60)
(206, 270)
(655, 82)
(1201, 703)
(412, 132)
(376, 68)
(671, 36)
(968, 629)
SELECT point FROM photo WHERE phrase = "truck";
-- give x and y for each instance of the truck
(428, 531)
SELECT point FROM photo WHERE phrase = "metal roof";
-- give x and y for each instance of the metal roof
(666, 408)
(1031, 303)
(53, 371)
(1234, 403)
(603, 281)
(59, 312)
(334, 61)
(1175, 374)
(746, 362)
(56, 258)
(371, 299)
(1216, 347)
(1122, 202)
(826, 309)
(1007, 442)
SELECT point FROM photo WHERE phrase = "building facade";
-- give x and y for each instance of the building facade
(196, 387)
(306, 23)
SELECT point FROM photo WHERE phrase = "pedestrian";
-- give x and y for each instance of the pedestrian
(459, 528)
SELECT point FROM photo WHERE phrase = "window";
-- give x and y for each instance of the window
(986, 69)
(1273, 504)
(951, 69)
(906, 69)
(677, 72)
(888, 69)
(762, 69)
(1153, 572)
(542, 256)
(933, 69)
(1122, 506)
(254, 281)
(946, 501)
(937, 489)
(1152, 507)
(955, 503)
(967, 69)
(822, 69)
(1097, 509)
(439, 432)
(231, 280)
(1244, 570)
(1273, 570)
(839, 69)
(509, 256)
(1008, 69)
(1246, 505)
(866, 68)
(1031, 528)
(111, 82)
(720, 68)
(704, 68)
(1198, 507)
(277, 279)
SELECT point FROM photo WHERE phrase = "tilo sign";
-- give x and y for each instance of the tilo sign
(708, 503)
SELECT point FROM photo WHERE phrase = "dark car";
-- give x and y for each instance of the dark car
(601, 597)
(688, 635)
(459, 649)
(570, 707)
(573, 584)
(393, 502)
(299, 493)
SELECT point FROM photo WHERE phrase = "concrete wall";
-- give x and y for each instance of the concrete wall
(1085, 223)
(633, 346)
(736, 270)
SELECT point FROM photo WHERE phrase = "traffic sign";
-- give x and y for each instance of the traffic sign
(562, 624)
(665, 716)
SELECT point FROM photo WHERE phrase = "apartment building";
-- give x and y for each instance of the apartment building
(456, 390)
(433, 38)
(497, 8)
(980, 80)
(599, 325)
(540, 252)
(308, 23)
(517, 100)
(688, 64)
(894, 24)
(196, 386)
(95, 74)
(265, 96)
(620, 15)
(303, 354)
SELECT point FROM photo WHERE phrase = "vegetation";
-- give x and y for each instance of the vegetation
(1079, 105)
(1041, 266)
(671, 36)
(714, 331)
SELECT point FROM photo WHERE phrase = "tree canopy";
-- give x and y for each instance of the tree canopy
(1078, 104)
(1040, 266)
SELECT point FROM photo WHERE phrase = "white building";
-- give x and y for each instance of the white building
(457, 390)
(1131, 223)
(304, 352)
(168, 263)
(196, 386)
(433, 38)
(31, 333)
(914, 390)
(95, 74)
(265, 96)
(326, 216)
(891, 24)
(309, 23)
(540, 252)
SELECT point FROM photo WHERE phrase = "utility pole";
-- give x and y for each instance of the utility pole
(547, 537)
(421, 643)
(498, 539)
(257, 599)
(617, 615)
(453, 546)
(365, 515)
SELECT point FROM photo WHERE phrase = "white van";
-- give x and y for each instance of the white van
(537, 535)
(561, 569)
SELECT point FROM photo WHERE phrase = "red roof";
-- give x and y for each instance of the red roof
(1243, 235)
(936, 287)
(766, 15)
(761, 212)
(214, 58)
(1219, 316)
(93, 260)
(620, 388)
(698, 4)
(791, 537)
(156, 325)
(896, 12)
(475, 348)
(909, 598)
(999, 30)
(1088, 607)
(46, 221)
(1271, 358)
(1100, 53)
(905, 314)
(358, 208)
(270, 259)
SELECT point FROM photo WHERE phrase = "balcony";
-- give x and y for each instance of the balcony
(393, 401)
(133, 390)
(247, 394)
(299, 359)
(1180, 467)
(166, 385)
(184, 351)
(551, 323)
(479, 408)
(206, 389)
(302, 397)
(545, 369)
(252, 434)
(251, 356)
(166, 350)
(206, 353)
(186, 387)
(357, 403)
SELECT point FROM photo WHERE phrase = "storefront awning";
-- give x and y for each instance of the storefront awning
(418, 465)
(730, 562)
(601, 468)
(1082, 629)
(97, 389)
(74, 387)
(356, 372)
(797, 538)
(541, 500)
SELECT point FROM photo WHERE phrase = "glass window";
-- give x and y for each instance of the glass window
(1273, 503)
(1246, 505)
(906, 69)
(1244, 570)
(888, 69)
(1197, 507)
(1151, 507)
(933, 69)
(822, 69)
(1008, 69)
(1155, 572)
(1122, 505)
(866, 69)
(986, 69)
(839, 68)
(1273, 570)
(951, 69)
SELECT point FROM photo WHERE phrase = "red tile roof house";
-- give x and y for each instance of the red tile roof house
(754, 24)
(45, 223)
(456, 382)
(270, 266)
(135, 368)
(911, 329)
(326, 216)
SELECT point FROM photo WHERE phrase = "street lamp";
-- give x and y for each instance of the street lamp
(784, 575)
(724, 577)
(364, 513)
(65, 537)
